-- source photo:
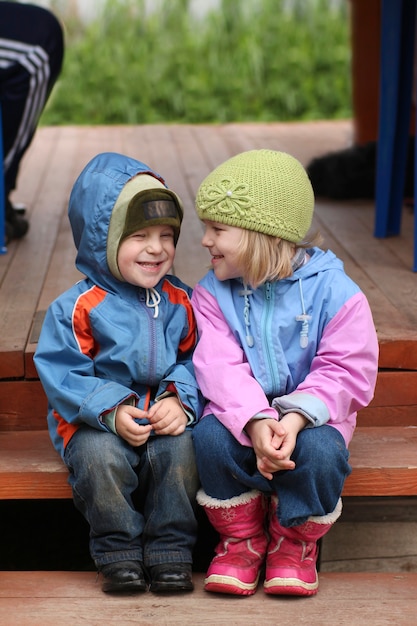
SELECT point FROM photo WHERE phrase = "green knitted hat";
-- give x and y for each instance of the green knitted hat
(260, 190)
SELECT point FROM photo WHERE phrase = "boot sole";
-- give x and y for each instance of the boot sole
(290, 587)
(171, 588)
(133, 586)
(229, 584)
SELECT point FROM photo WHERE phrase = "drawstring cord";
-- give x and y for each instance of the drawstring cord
(245, 292)
(152, 300)
(298, 260)
(303, 318)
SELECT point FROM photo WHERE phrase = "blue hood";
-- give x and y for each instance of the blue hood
(90, 207)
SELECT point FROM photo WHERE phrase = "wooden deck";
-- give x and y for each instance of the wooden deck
(72, 599)
(37, 268)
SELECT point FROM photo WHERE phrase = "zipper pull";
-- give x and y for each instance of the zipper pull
(268, 290)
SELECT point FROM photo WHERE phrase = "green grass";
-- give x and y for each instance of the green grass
(248, 60)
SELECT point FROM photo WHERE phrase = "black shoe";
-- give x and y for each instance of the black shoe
(171, 577)
(123, 577)
(16, 225)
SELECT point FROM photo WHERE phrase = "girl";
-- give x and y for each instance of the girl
(287, 355)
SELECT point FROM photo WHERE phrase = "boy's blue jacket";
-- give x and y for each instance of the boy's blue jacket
(100, 344)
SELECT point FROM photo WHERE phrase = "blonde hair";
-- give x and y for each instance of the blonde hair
(268, 258)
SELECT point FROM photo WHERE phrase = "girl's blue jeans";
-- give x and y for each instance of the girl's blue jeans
(228, 469)
(139, 502)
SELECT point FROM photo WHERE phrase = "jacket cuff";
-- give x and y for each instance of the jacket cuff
(312, 408)
(172, 391)
(109, 418)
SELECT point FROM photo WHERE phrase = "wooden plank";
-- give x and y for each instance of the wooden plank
(395, 400)
(30, 468)
(184, 154)
(384, 462)
(23, 405)
(390, 319)
(71, 598)
(23, 402)
(21, 286)
(385, 278)
(397, 348)
(395, 388)
(381, 416)
(367, 546)
(32, 172)
(400, 245)
(35, 485)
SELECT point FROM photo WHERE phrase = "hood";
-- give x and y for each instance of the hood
(320, 261)
(91, 203)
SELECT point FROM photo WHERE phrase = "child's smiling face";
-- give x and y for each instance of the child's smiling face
(223, 243)
(147, 255)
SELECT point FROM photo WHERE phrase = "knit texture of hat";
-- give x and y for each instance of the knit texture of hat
(262, 190)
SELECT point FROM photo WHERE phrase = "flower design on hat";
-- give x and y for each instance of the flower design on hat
(225, 198)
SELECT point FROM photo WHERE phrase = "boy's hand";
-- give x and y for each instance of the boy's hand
(274, 442)
(167, 416)
(127, 428)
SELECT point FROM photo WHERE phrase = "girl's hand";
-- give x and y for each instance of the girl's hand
(274, 442)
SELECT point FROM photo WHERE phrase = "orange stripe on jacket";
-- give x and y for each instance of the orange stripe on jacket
(65, 429)
(82, 333)
(177, 295)
(81, 320)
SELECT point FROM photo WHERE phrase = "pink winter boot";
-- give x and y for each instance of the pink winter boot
(241, 550)
(292, 554)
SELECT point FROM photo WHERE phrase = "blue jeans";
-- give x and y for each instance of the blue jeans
(139, 502)
(228, 469)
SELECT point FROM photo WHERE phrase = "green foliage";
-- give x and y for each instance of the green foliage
(251, 60)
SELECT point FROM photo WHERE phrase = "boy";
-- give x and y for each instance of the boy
(114, 358)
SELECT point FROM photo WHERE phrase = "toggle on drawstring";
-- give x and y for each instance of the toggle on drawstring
(152, 300)
(303, 318)
(245, 292)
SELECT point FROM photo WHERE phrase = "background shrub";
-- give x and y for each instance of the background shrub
(258, 60)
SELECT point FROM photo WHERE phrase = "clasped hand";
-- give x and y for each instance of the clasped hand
(165, 417)
(274, 442)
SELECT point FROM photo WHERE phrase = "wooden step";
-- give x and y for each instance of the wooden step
(23, 405)
(73, 598)
(384, 462)
(30, 468)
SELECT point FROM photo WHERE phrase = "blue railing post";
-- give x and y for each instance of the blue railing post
(397, 56)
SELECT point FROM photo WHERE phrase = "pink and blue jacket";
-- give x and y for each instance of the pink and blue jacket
(306, 343)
